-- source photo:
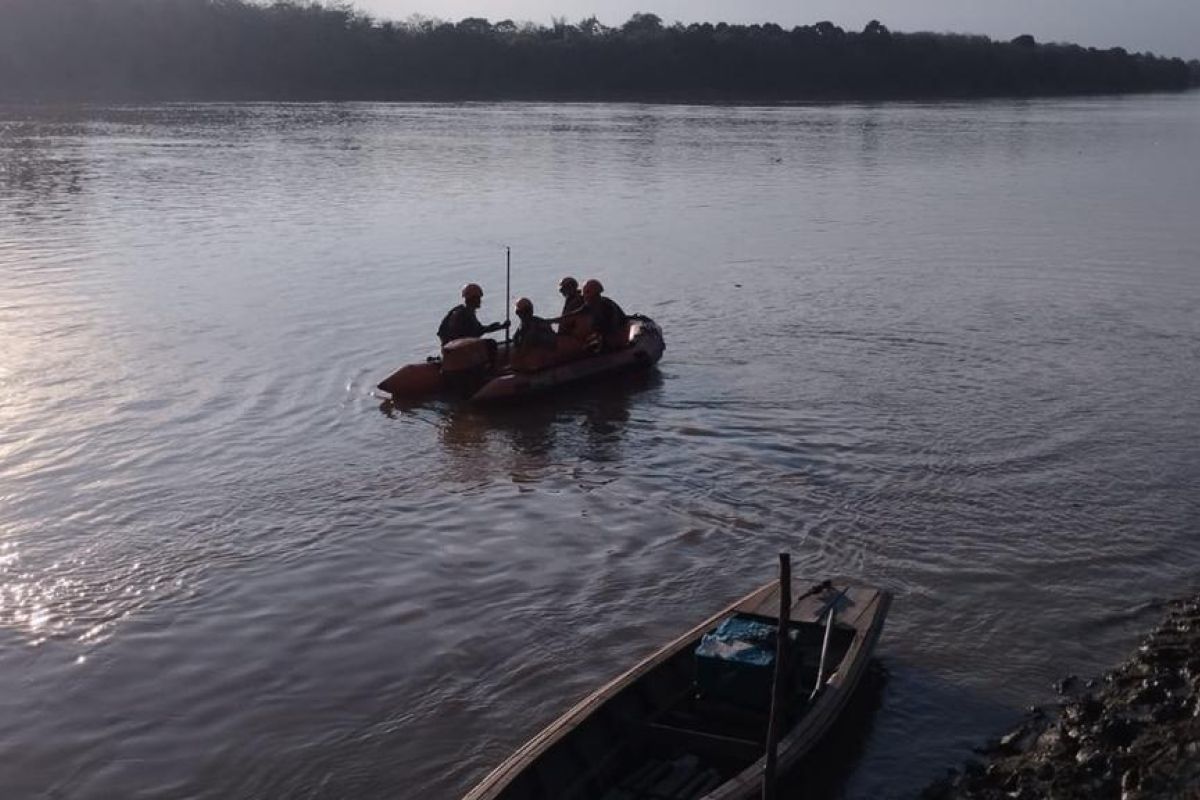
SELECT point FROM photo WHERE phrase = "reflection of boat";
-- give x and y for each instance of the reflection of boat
(474, 369)
(690, 721)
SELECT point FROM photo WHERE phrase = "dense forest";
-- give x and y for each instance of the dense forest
(54, 50)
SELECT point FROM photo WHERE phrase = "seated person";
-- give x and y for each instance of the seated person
(569, 320)
(535, 343)
(533, 332)
(608, 321)
(460, 322)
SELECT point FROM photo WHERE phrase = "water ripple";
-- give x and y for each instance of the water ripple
(929, 346)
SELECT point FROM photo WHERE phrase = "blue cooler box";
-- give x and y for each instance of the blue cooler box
(736, 662)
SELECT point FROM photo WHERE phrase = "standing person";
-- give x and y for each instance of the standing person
(568, 321)
(460, 322)
(608, 320)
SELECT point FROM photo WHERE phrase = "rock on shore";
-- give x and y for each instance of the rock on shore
(1133, 735)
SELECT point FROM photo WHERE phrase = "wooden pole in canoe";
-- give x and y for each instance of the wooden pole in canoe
(778, 687)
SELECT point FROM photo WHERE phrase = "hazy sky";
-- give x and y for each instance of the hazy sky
(1166, 27)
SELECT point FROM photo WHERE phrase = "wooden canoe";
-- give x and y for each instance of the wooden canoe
(654, 733)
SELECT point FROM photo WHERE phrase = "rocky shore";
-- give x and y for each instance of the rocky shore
(1132, 735)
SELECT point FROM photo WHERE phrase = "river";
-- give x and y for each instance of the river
(948, 349)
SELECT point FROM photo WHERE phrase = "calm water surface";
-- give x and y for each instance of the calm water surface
(948, 349)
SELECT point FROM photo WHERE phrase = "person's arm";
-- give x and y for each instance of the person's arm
(576, 312)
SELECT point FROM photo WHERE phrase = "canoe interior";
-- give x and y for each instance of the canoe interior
(660, 738)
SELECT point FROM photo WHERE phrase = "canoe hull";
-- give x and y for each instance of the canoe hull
(531, 772)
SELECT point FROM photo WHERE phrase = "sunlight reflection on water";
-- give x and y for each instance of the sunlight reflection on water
(947, 348)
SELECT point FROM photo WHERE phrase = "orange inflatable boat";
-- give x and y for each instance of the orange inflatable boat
(484, 371)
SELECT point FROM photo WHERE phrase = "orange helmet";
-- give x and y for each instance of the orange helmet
(472, 290)
(568, 284)
(523, 306)
(593, 287)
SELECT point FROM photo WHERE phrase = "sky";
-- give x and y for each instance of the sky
(1165, 27)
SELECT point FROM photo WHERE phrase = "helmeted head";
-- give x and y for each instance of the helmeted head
(472, 295)
(523, 307)
(568, 286)
(592, 290)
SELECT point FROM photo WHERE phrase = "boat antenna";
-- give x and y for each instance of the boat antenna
(507, 292)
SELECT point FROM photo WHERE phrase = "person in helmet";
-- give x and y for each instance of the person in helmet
(568, 321)
(607, 318)
(533, 332)
(534, 343)
(568, 287)
(460, 322)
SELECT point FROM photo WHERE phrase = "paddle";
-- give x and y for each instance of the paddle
(831, 610)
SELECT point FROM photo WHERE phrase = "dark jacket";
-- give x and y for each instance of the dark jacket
(608, 319)
(460, 322)
(568, 323)
(572, 304)
(534, 333)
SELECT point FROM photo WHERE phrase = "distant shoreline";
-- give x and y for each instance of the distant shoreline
(240, 51)
(746, 102)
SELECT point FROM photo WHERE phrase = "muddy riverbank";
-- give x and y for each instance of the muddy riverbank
(1132, 734)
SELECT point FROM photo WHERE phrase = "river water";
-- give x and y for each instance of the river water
(948, 349)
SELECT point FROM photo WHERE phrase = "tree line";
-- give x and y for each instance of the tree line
(59, 50)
